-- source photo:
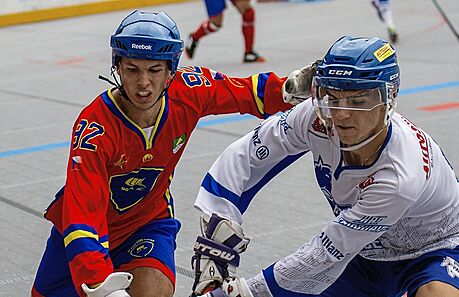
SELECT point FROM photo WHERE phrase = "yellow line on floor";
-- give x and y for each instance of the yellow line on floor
(76, 10)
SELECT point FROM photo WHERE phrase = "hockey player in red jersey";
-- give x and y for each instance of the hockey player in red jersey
(114, 226)
(215, 9)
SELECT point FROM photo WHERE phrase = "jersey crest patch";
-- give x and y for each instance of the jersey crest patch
(128, 189)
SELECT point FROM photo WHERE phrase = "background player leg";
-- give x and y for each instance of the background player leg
(215, 10)
(248, 30)
(384, 10)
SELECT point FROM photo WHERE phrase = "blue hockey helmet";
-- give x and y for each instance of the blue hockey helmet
(147, 35)
(357, 64)
(360, 63)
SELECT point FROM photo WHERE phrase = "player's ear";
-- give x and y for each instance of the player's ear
(118, 64)
(170, 77)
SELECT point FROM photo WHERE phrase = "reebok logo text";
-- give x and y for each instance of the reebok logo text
(141, 46)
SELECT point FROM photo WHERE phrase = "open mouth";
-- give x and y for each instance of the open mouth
(143, 95)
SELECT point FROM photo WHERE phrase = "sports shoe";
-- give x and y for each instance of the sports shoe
(378, 10)
(190, 46)
(393, 36)
(253, 57)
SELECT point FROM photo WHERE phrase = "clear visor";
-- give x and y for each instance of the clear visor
(328, 99)
(365, 100)
(333, 94)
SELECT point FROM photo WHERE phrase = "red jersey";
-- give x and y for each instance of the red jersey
(118, 178)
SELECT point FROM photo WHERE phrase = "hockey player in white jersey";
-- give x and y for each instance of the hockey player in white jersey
(394, 195)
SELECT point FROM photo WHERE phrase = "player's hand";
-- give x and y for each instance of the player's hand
(216, 257)
(115, 285)
(231, 287)
(297, 87)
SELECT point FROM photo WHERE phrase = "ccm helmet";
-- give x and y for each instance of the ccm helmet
(147, 35)
(357, 64)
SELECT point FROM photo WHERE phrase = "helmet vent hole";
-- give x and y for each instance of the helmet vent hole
(166, 48)
(342, 59)
(368, 60)
(120, 45)
(365, 74)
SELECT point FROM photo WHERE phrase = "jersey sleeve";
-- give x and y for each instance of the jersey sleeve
(81, 215)
(252, 161)
(217, 93)
(321, 260)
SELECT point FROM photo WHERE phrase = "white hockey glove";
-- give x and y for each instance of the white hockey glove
(114, 285)
(231, 287)
(297, 87)
(216, 253)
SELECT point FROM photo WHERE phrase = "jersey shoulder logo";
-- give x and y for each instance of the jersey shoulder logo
(369, 181)
(318, 126)
(178, 142)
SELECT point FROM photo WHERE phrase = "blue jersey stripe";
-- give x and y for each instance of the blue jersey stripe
(248, 195)
(213, 187)
(274, 288)
(82, 245)
(76, 227)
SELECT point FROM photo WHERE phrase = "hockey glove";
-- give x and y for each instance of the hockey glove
(231, 287)
(216, 253)
(297, 87)
(115, 285)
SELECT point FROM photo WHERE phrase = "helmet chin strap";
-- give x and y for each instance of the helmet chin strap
(116, 83)
(388, 115)
(360, 144)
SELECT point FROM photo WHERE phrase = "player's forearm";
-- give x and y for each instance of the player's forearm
(273, 97)
(89, 269)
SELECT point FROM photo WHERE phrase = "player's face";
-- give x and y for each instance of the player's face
(143, 80)
(355, 126)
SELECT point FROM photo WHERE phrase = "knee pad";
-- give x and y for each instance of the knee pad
(249, 16)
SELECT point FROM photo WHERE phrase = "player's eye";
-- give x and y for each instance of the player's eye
(356, 101)
(333, 102)
(155, 70)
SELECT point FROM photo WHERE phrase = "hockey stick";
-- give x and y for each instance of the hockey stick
(450, 25)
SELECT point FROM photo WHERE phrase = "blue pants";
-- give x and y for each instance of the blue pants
(365, 278)
(216, 7)
(153, 245)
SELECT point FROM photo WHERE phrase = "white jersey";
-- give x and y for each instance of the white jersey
(403, 205)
